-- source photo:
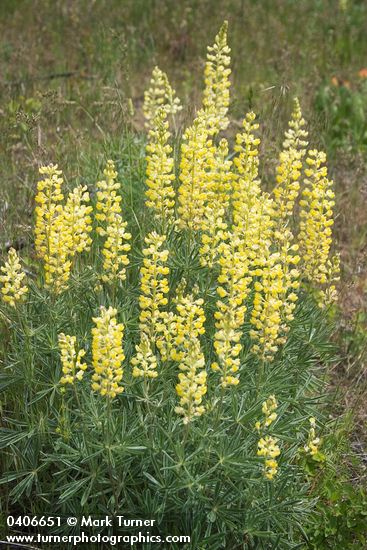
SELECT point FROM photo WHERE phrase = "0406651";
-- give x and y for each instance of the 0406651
(33, 521)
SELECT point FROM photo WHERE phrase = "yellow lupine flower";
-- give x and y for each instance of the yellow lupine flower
(219, 189)
(188, 323)
(108, 198)
(233, 290)
(217, 83)
(153, 299)
(267, 447)
(60, 231)
(289, 168)
(268, 409)
(112, 227)
(159, 95)
(315, 236)
(13, 289)
(192, 384)
(186, 328)
(107, 353)
(313, 443)
(57, 261)
(160, 193)
(197, 153)
(274, 301)
(114, 251)
(252, 209)
(72, 366)
(77, 219)
(48, 199)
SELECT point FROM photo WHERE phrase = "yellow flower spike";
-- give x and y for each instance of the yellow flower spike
(268, 449)
(13, 289)
(216, 92)
(77, 219)
(107, 353)
(108, 198)
(53, 240)
(289, 168)
(145, 361)
(192, 384)
(160, 95)
(72, 366)
(114, 251)
(48, 198)
(315, 236)
(219, 188)
(313, 443)
(112, 227)
(197, 158)
(160, 193)
(153, 299)
(274, 301)
(233, 290)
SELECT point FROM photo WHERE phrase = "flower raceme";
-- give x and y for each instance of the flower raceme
(160, 95)
(13, 288)
(61, 230)
(267, 448)
(152, 301)
(77, 220)
(73, 367)
(289, 168)
(186, 328)
(53, 240)
(107, 353)
(197, 154)
(313, 443)
(160, 193)
(108, 198)
(217, 83)
(233, 290)
(315, 236)
(112, 227)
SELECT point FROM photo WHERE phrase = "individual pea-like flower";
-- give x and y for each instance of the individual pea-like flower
(153, 299)
(107, 353)
(315, 236)
(160, 95)
(77, 219)
(13, 287)
(160, 195)
(72, 365)
(217, 83)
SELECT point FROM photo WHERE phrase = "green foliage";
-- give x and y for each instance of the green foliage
(344, 108)
(340, 518)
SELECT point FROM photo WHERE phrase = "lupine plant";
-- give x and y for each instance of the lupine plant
(164, 349)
